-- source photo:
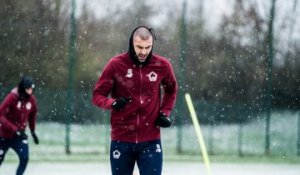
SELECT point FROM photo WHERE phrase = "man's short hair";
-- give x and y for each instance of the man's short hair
(142, 32)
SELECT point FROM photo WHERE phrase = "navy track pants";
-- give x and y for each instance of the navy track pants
(147, 155)
(20, 146)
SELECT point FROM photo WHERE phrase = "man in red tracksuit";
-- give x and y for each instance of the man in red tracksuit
(18, 108)
(135, 81)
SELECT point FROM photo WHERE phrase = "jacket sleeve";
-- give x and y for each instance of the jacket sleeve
(32, 116)
(4, 107)
(170, 90)
(103, 88)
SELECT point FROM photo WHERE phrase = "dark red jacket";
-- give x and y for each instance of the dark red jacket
(14, 114)
(142, 84)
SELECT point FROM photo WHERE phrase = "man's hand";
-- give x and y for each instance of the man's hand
(163, 121)
(119, 104)
(35, 138)
(21, 135)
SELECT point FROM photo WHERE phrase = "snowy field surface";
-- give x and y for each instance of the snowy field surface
(170, 168)
(89, 147)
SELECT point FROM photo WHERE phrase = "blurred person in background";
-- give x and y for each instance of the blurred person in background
(18, 108)
(140, 89)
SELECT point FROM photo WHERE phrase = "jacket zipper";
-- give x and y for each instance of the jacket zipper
(141, 102)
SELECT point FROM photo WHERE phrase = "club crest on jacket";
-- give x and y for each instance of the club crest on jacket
(28, 106)
(152, 76)
(19, 105)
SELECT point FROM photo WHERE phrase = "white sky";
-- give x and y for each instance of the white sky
(212, 10)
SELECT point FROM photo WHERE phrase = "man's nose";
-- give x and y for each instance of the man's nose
(144, 51)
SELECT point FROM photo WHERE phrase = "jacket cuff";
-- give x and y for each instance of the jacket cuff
(110, 102)
(167, 112)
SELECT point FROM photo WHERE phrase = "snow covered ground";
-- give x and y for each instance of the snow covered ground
(89, 145)
(170, 168)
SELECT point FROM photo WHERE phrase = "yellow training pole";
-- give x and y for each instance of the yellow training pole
(198, 132)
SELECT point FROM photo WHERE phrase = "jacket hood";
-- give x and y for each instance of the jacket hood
(131, 51)
(25, 83)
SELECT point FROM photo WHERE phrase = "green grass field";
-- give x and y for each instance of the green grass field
(89, 146)
(91, 142)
